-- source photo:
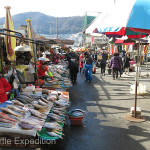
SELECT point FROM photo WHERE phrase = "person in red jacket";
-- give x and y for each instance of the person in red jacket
(42, 69)
(4, 87)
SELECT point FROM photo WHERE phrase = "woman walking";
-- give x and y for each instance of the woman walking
(115, 64)
(127, 63)
(81, 62)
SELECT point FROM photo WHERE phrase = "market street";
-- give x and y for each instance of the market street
(106, 102)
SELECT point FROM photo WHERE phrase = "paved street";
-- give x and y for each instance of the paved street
(106, 102)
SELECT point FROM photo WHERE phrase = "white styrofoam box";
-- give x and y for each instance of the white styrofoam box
(141, 89)
(138, 110)
(29, 89)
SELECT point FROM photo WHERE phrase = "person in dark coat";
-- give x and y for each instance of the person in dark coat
(121, 67)
(127, 63)
(74, 69)
(103, 62)
(115, 64)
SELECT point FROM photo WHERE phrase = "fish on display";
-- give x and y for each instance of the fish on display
(44, 100)
(32, 121)
(26, 125)
(36, 119)
(60, 109)
(6, 125)
(18, 103)
(9, 111)
(21, 100)
(27, 95)
(37, 113)
(13, 107)
(51, 98)
(39, 106)
(54, 134)
(58, 112)
(42, 103)
(13, 117)
(6, 121)
(4, 116)
(56, 119)
(25, 98)
(62, 104)
(55, 115)
(52, 126)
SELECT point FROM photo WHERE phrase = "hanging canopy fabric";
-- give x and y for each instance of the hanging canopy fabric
(125, 42)
(10, 41)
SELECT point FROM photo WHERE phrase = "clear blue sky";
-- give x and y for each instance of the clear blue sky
(57, 8)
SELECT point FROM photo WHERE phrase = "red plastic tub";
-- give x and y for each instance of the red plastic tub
(76, 120)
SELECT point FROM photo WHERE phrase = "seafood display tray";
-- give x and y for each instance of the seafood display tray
(44, 136)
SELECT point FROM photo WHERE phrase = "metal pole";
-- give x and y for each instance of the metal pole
(1, 54)
(50, 30)
(136, 78)
(57, 28)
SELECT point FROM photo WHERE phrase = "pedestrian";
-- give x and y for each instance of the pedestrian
(121, 67)
(127, 63)
(55, 58)
(88, 67)
(81, 62)
(74, 69)
(115, 64)
(103, 62)
(4, 87)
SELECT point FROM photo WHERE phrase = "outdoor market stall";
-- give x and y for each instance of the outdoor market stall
(31, 116)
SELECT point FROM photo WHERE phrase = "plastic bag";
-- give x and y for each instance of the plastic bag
(20, 76)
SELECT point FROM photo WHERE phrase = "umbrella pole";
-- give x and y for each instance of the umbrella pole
(1, 54)
(36, 69)
(136, 78)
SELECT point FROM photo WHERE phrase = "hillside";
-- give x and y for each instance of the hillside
(42, 23)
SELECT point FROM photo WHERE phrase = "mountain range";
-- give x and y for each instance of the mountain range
(45, 24)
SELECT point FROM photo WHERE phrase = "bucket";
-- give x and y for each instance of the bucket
(109, 71)
(76, 116)
(76, 120)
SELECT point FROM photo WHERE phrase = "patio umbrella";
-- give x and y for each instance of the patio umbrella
(83, 49)
(32, 45)
(10, 41)
(129, 18)
(76, 49)
(30, 35)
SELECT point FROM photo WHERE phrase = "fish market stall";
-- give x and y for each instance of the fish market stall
(35, 116)
(61, 77)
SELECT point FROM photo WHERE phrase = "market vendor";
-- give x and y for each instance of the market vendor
(55, 58)
(4, 87)
(42, 69)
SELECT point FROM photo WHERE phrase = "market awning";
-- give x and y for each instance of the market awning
(125, 42)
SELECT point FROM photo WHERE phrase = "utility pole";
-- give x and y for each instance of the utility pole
(57, 28)
(50, 30)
